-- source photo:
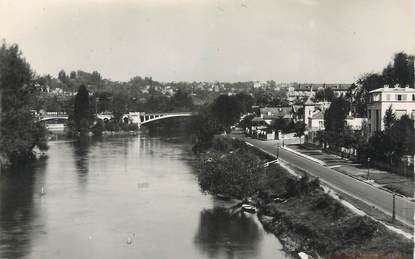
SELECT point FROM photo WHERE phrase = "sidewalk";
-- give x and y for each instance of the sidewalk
(382, 179)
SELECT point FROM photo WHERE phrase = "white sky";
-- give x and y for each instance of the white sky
(203, 40)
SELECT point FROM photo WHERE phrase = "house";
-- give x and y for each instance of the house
(260, 129)
(268, 114)
(401, 100)
(316, 121)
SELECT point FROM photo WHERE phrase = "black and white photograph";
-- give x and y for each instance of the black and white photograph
(207, 129)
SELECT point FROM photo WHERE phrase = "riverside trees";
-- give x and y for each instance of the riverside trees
(19, 131)
(216, 118)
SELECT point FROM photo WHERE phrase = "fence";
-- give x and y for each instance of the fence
(405, 166)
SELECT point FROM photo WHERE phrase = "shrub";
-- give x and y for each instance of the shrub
(237, 174)
(299, 187)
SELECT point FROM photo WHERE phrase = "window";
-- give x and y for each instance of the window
(413, 97)
(399, 97)
(369, 114)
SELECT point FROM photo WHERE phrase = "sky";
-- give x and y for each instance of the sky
(314, 41)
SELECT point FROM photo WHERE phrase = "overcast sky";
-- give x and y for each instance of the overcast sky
(204, 40)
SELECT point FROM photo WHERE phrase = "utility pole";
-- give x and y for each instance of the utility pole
(368, 167)
(278, 150)
(393, 206)
(283, 144)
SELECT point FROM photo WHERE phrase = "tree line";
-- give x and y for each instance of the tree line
(20, 133)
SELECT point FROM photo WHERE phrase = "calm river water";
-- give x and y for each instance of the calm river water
(129, 197)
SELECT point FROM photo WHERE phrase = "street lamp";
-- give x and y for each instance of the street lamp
(368, 167)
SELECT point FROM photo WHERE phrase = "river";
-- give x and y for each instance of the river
(121, 197)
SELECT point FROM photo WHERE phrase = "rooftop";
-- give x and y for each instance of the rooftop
(387, 89)
(318, 116)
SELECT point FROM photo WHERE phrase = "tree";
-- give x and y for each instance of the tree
(72, 75)
(365, 84)
(335, 115)
(325, 94)
(227, 110)
(19, 131)
(402, 134)
(81, 111)
(389, 119)
(246, 122)
(96, 78)
(299, 129)
(181, 101)
(400, 71)
(237, 174)
(245, 102)
(203, 127)
(281, 124)
(62, 76)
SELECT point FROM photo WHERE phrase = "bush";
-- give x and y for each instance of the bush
(329, 206)
(112, 125)
(225, 144)
(299, 187)
(237, 174)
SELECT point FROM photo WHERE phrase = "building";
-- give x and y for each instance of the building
(302, 91)
(311, 109)
(268, 114)
(316, 121)
(401, 100)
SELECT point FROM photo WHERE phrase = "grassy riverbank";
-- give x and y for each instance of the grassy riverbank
(297, 211)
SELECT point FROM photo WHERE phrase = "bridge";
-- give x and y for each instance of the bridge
(53, 116)
(58, 119)
(142, 118)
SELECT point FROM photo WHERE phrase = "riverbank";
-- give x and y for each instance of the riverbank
(306, 219)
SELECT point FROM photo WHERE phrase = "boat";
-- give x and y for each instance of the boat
(248, 208)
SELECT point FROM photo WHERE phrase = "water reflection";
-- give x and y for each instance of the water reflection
(98, 193)
(221, 233)
(19, 194)
(81, 152)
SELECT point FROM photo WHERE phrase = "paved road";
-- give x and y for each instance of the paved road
(371, 195)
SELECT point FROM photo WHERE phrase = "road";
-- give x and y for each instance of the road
(383, 200)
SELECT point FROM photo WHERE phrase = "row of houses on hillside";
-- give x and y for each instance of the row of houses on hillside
(304, 91)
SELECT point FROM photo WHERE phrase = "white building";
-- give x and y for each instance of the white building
(402, 101)
(316, 121)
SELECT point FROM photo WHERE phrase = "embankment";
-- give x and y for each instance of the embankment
(304, 217)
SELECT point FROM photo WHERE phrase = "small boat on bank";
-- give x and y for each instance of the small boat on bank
(248, 208)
